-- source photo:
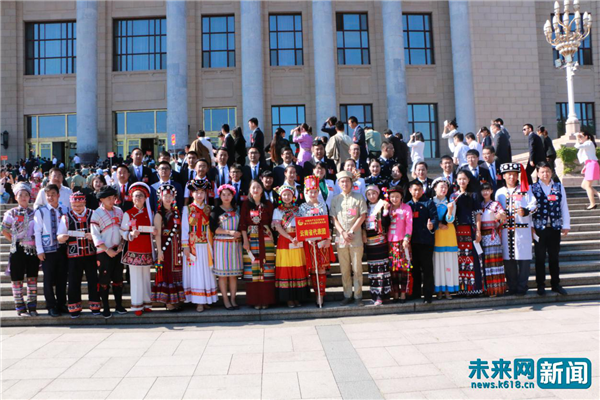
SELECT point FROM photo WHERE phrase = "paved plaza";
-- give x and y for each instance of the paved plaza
(417, 356)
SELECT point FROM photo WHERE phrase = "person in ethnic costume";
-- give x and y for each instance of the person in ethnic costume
(198, 280)
(492, 219)
(259, 271)
(445, 251)
(313, 207)
(106, 233)
(551, 220)
(291, 279)
(399, 237)
(518, 202)
(17, 227)
(137, 229)
(168, 284)
(224, 223)
(468, 231)
(375, 238)
(75, 230)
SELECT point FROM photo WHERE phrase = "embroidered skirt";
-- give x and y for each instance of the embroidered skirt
(493, 263)
(260, 279)
(228, 257)
(401, 269)
(379, 266)
(469, 269)
(291, 277)
(199, 282)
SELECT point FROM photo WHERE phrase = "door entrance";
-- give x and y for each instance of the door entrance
(58, 150)
(148, 146)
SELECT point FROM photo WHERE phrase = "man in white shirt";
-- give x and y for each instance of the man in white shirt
(450, 129)
(52, 255)
(472, 142)
(77, 161)
(64, 199)
(460, 150)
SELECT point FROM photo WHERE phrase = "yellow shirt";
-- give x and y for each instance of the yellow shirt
(347, 208)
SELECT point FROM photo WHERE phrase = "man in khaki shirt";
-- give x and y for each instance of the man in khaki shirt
(349, 210)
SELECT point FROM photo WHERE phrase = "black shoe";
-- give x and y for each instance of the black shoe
(521, 293)
(427, 301)
(120, 310)
(541, 291)
(560, 290)
(96, 313)
(402, 301)
(347, 301)
(53, 312)
(63, 310)
(75, 315)
(106, 313)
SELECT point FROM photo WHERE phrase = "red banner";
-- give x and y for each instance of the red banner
(3, 158)
(312, 228)
(173, 139)
(111, 154)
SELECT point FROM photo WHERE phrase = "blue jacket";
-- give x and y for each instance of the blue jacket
(423, 210)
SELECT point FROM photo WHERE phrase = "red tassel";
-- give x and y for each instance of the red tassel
(524, 181)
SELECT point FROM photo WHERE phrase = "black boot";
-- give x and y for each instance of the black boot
(118, 292)
(105, 305)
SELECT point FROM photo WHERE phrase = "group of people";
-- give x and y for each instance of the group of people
(202, 223)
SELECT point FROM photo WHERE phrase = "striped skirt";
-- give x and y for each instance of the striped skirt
(228, 257)
(291, 277)
(379, 267)
(493, 264)
(259, 275)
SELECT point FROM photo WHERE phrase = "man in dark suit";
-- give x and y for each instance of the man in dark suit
(165, 156)
(121, 185)
(257, 138)
(493, 166)
(220, 173)
(358, 137)
(229, 144)
(501, 144)
(401, 152)
(240, 186)
(279, 171)
(537, 151)
(421, 170)
(480, 173)
(449, 174)
(187, 172)
(164, 176)
(361, 165)
(387, 158)
(255, 168)
(138, 172)
(318, 155)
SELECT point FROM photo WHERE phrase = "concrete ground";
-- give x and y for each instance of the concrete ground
(409, 356)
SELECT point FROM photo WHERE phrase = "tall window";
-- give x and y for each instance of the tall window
(287, 117)
(140, 44)
(362, 112)
(140, 122)
(352, 39)
(418, 40)
(51, 126)
(423, 118)
(584, 53)
(585, 114)
(214, 118)
(50, 48)
(218, 41)
(285, 36)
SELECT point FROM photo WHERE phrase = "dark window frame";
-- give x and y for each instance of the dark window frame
(433, 127)
(35, 64)
(344, 115)
(587, 124)
(428, 46)
(341, 49)
(584, 53)
(274, 51)
(123, 58)
(231, 63)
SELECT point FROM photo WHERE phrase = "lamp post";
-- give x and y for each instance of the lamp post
(567, 42)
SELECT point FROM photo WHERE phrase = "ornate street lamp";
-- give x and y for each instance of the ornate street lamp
(567, 42)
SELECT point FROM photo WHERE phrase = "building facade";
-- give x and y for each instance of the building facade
(399, 64)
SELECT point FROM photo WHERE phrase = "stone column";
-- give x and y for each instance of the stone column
(177, 99)
(464, 94)
(253, 96)
(87, 80)
(324, 61)
(395, 81)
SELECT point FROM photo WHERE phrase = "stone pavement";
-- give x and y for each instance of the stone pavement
(415, 356)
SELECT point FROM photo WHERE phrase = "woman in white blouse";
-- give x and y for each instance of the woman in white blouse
(591, 171)
(417, 149)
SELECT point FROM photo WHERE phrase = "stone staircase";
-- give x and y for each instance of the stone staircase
(580, 276)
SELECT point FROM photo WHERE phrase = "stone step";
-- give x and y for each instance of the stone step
(333, 293)
(308, 311)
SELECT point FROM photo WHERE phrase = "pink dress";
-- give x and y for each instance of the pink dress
(305, 141)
